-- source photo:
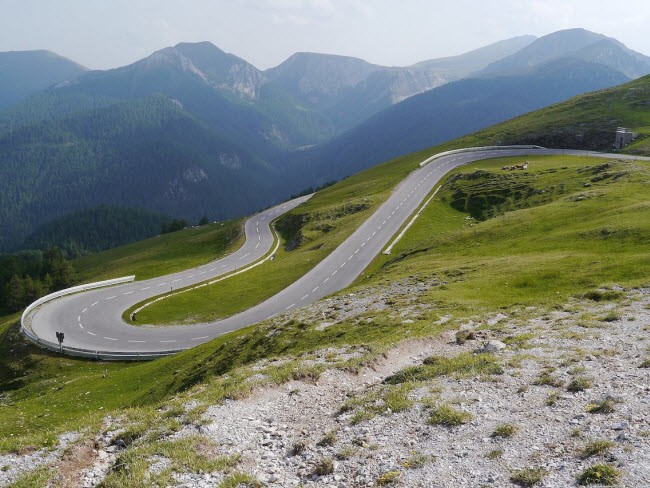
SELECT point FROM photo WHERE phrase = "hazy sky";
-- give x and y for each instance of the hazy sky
(104, 34)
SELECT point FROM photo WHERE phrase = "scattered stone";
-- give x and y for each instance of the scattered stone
(491, 347)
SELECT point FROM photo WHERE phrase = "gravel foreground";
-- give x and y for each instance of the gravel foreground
(556, 370)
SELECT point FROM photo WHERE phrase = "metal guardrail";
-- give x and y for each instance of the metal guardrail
(474, 149)
(25, 327)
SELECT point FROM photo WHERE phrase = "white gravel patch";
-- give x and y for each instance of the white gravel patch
(265, 427)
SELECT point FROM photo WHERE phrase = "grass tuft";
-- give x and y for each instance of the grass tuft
(388, 478)
(328, 439)
(528, 476)
(505, 430)
(466, 365)
(604, 406)
(449, 416)
(324, 466)
(417, 460)
(599, 474)
(546, 378)
(595, 448)
(494, 453)
(579, 383)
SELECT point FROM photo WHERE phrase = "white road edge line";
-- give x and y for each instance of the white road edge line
(411, 222)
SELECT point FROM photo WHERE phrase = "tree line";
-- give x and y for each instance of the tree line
(28, 275)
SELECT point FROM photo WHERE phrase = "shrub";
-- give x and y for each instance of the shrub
(599, 474)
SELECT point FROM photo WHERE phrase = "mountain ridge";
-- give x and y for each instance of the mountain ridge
(23, 73)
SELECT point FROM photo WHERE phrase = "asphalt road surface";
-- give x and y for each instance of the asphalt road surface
(92, 320)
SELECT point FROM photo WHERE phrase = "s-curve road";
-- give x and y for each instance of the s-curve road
(92, 320)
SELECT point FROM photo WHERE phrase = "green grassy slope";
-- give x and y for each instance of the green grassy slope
(496, 238)
(164, 254)
(587, 121)
(521, 254)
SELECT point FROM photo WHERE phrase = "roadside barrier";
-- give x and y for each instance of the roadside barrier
(25, 327)
(474, 149)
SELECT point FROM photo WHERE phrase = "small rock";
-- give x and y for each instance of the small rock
(491, 347)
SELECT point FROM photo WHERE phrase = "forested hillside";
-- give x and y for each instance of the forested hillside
(97, 229)
(29, 275)
(147, 154)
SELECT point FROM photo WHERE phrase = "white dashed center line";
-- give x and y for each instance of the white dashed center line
(198, 338)
(110, 338)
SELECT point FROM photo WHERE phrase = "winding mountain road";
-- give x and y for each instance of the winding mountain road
(92, 320)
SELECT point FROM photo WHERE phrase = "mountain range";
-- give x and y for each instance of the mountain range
(192, 130)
